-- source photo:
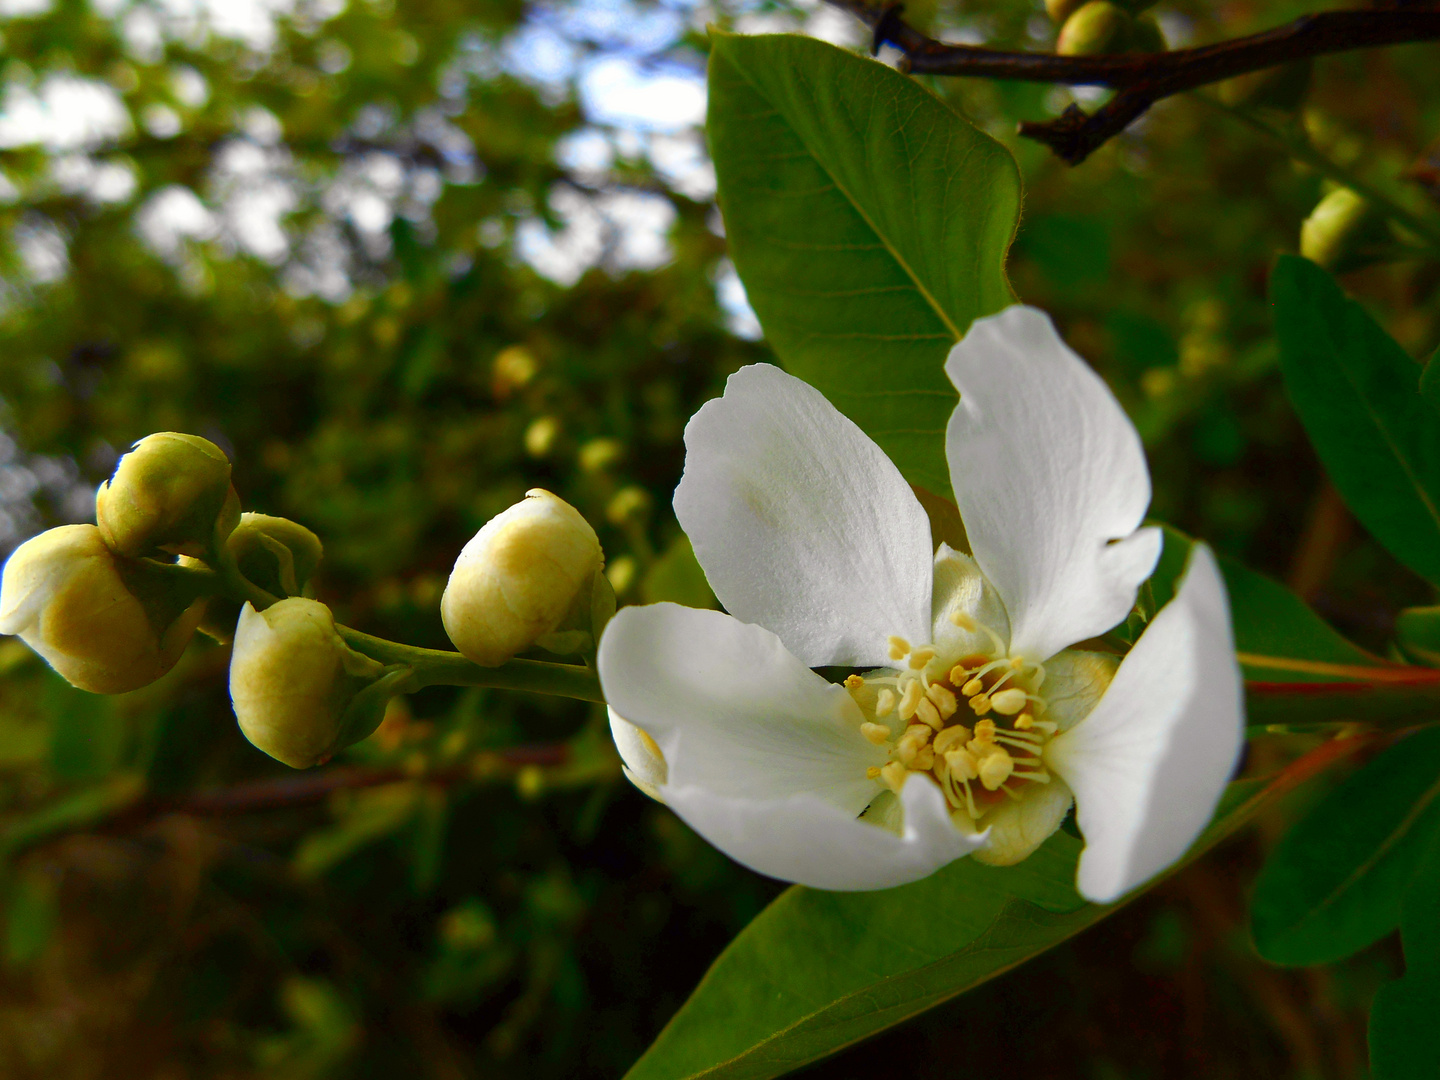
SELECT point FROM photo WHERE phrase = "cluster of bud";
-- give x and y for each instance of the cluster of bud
(112, 606)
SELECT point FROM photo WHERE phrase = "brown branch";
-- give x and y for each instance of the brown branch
(1145, 78)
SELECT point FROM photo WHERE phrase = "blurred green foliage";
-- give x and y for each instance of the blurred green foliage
(320, 250)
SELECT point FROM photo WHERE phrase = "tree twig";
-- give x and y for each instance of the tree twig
(1145, 78)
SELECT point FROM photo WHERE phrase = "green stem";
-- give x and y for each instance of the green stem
(1300, 148)
(434, 667)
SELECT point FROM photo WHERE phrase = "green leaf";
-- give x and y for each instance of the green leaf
(1334, 884)
(817, 971)
(869, 224)
(1358, 395)
(1402, 1044)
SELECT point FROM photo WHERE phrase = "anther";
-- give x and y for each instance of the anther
(962, 764)
(985, 731)
(995, 769)
(1024, 721)
(924, 759)
(920, 732)
(921, 656)
(854, 682)
(944, 700)
(971, 688)
(926, 711)
(872, 773)
(893, 776)
(910, 699)
(884, 703)
(963, 621)
(878, 734)
(1008, 702)
(899, 647)
(951, 737)
(980, 703)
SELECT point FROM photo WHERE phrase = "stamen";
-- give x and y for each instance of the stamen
(995, 769)
(971, 688)
(962, 764)
(926, 711)
(893, 776)
(963, 621)
(985, 731)
(1008, 702)
(906, 749)
(924, 759)
(1041, 777)
(872, 773)
(910, 699)
(853, 683)
(921, 656)
(944, 700)
(899, 648)
(878, 734)
(980, 703)
(1022, 722)
(958, 735)
(919, 732)
(884, 703)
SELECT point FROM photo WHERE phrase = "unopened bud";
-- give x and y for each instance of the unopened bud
(275, 553)
(297, 688)
(513, 368)
(540, 436)
(1096, 27)
(597, 455)
(518, 578)
(629, 504)
(170, 492)
(105, 623)
(1338, 230)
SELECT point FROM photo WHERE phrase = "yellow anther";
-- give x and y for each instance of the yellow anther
(958, 674)
(980, 703)
(899, 647)
(1024, 721)
(1008, 702)
(962, 764)
(951, 737)
(924, 759)
(893, 776)
(878, 734)
(971, 688)
(995, 769)
(921, 656)
(911, 697)
(963, 621)
(925, 710)
(985, 731)
(854, 682)
(1017, 663)
(872, 773)
(920, 732)
(906, 749)
(884, 703)
(944, 700)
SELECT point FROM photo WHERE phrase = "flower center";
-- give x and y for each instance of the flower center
(919, 714)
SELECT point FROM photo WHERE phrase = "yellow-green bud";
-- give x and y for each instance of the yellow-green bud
(1096, 27)
(518, 578)
(171, 492)
(630, 504)
(1060, 10)
(295, 684)
(275, 553)
(1340, 225)
(105, 623)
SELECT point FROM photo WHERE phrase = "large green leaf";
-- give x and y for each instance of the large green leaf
(817, 971)
(869, 224)
(1358, 395)
(1335, 883)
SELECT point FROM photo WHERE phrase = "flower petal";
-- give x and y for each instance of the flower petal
(802, 524)
(644, 765)
(1051, 481)
(732, 711)
(809, 840)
(763, 757)
(1149, 763)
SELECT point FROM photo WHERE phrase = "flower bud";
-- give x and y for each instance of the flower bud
(1338, 230)
(171, 491)
(1096, 27)
(518, 578)
(297, 688)
(275, 553)
(105, 623)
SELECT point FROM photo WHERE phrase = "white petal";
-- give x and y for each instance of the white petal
(1149, 763)
(732, 711)
(1051, 481)
(644, 765)
(808, 840)
(801, 522)
(763, 757)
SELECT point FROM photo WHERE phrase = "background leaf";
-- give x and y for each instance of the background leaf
(1334, 884)
(869, 224)
(1402, 1042)
(1358, 394)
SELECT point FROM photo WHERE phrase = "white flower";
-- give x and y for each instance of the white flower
(977, 717)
